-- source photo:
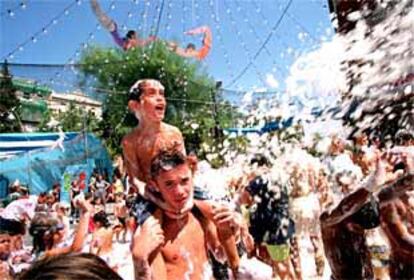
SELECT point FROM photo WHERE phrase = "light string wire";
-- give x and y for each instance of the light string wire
(260, 75)
(272, 32)
(33, 37)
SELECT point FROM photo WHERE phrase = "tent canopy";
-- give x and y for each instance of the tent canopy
(40, 159)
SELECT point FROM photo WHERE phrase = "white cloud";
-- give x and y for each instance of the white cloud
(271, 81)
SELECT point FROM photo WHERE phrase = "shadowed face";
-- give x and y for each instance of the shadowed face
(176, 186)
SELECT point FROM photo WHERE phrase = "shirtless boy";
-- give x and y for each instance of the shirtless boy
(152, 135)
(171, 247)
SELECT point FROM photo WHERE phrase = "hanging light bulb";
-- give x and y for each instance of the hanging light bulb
(11, 13)
(34, 40)
(113, 6)
(55, 21)
(66, 12)
(44, 30)
(23, 5)
(79, 2)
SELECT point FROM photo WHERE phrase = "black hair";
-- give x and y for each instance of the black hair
(166, 160)
(40, 226)
(71, 266)
(368, 216)
(102, 218)
(43, 194)
(260, 160)
(403, 137)
(191, 46)
(130, 33)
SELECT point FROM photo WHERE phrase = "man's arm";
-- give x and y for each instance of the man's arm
(396, 189)
(346, 208)
(395, 227)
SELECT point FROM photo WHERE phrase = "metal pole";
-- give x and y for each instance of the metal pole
(215, 110)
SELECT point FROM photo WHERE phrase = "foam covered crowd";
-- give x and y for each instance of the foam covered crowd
(334, 208)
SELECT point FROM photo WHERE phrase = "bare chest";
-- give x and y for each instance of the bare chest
(185, 252)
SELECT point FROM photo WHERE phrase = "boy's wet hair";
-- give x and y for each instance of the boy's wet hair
(167, 160)
(137, 89)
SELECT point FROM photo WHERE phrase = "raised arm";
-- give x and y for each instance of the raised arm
(395, 228)
(81, 232)
(346, 208)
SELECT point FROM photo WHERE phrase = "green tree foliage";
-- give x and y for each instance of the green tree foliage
(9, 103)
(188, 90)
(76, 119)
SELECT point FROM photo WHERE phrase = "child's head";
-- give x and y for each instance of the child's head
(147, 100)
(5, 245)
(100, 219)
(46, 232)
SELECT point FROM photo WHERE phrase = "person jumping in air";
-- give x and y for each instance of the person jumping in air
(131, 39)
(190, 50)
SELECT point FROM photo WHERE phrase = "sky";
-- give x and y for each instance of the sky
(54, 32)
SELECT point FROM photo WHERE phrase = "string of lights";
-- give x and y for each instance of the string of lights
(44, 30)
(272, 32)
(22, 5)
(83, 45)
(219, 36)
(243, 44)
(252, 29)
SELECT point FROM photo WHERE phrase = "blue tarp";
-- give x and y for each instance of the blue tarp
(41, 168)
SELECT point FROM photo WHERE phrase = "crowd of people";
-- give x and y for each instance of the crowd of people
(166, 215)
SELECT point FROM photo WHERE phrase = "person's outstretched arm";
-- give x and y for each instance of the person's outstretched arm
(81, 232)
(108, 23)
